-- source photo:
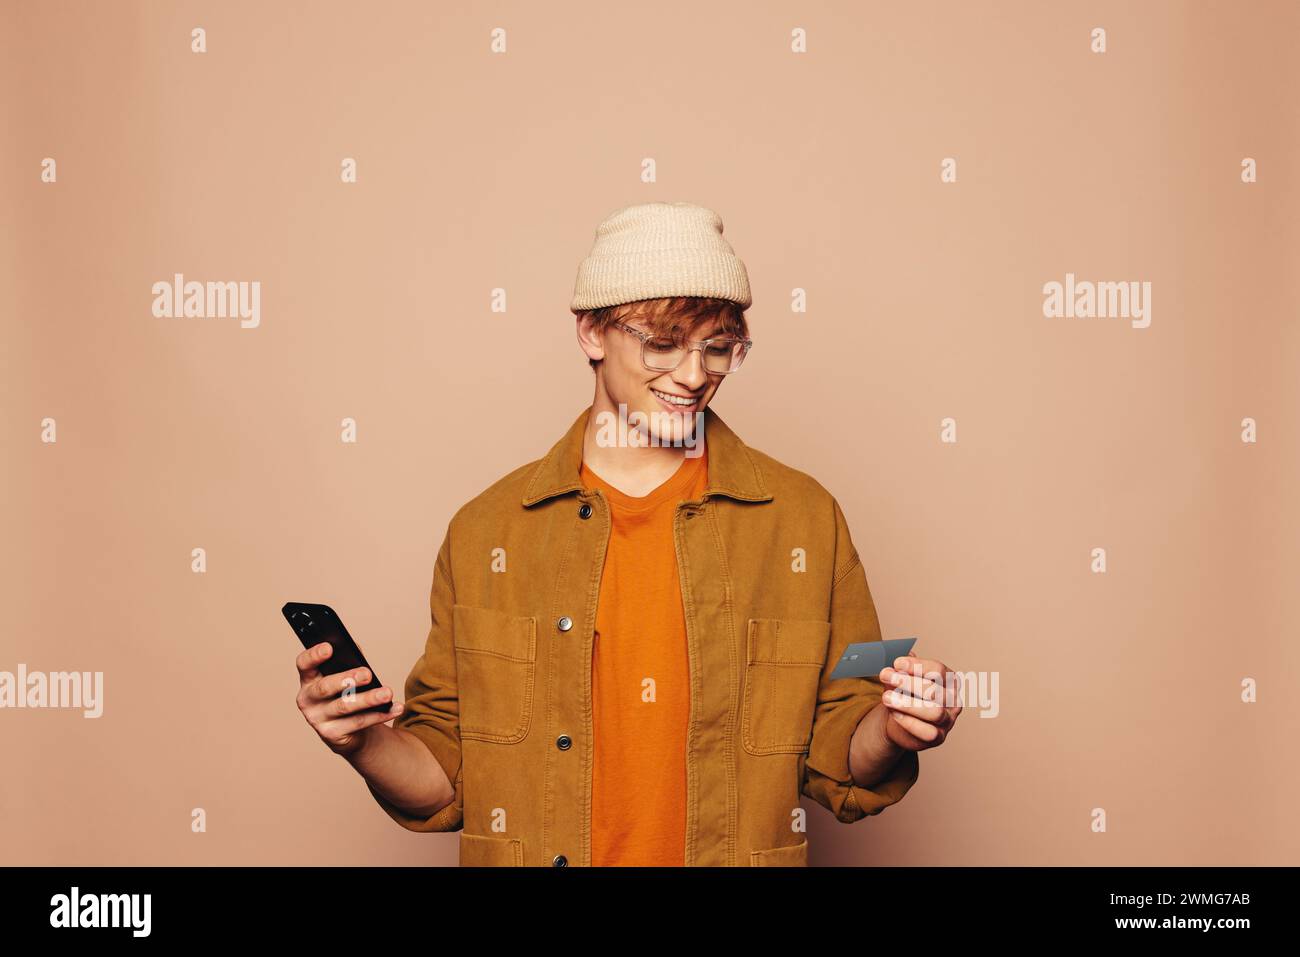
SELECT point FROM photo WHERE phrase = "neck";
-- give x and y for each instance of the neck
(634, 469)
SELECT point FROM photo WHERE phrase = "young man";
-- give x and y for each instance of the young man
(632, 638)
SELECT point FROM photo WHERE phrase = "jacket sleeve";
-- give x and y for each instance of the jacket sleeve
(431, 709)
(843, 702)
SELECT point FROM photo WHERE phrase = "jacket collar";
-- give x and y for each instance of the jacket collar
(732, 470)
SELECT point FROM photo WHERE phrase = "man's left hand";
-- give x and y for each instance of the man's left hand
(924, 699)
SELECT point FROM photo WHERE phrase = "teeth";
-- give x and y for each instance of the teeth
(675, 400)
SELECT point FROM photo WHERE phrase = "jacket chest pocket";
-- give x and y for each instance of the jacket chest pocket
(783, 665)
(496, 658)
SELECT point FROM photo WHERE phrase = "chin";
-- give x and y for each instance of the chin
(660, 422)
(672, 427)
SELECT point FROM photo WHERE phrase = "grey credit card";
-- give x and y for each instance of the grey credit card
(866, 659)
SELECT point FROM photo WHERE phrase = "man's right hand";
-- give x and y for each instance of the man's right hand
(332, 716)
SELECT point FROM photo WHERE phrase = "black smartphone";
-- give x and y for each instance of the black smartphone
(316, 623)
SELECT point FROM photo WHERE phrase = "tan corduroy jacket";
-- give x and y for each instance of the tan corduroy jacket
(773, 591)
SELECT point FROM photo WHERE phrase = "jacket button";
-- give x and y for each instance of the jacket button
(559, 860)
(584, 511)
(565, 623)
(564, 742)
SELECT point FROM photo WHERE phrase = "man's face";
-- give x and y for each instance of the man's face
(669, 401)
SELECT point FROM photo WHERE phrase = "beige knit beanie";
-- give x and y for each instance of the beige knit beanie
(658, 250)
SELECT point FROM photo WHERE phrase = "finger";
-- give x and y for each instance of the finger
(903, 665)
(330, 686)
(349, 704)
(939, 683)
(924, 688)
(927, 733)
(309, 660)
(899, 734)
(901, 703)
(913, 665)
(946, 692)
(352, 723)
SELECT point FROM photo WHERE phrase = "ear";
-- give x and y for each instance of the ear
(590, 339)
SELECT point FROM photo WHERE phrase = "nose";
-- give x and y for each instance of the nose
(691, 373)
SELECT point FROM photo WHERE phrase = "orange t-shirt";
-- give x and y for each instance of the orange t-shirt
(640, 678)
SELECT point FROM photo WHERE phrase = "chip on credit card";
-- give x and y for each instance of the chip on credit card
(866, 659)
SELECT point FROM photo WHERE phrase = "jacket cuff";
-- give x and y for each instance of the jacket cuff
(828, 779)
(860, 802)
(449, 818)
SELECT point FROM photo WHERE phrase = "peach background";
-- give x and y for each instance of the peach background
(1118, 691)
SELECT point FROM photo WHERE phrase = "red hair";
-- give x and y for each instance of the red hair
(675, 318)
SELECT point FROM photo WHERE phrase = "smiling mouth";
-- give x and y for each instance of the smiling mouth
(676, 401)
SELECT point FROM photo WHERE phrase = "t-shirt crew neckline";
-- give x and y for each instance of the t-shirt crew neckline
(671, 488)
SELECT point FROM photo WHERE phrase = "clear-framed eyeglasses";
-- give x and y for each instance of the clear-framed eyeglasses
(720, 356)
